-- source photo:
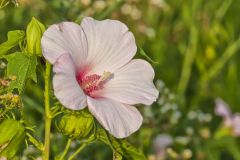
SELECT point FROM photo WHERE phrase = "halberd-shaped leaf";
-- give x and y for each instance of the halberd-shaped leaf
(22, 66)
(121, 148)
(14, 38)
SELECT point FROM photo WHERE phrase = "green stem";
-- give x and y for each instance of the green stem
(217, 67)
(66, 149)
(48, 117)
(35, 142)
(2, 5)
(223, 10)
(188, 61)
(77, 151)
(3, 113)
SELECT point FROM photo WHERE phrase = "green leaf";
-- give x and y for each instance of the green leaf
(23, 67)
(4, 3)
(34, 33)
(14, 38)
(7, 133)
(215, 146)
(143, 53)
(121, 148)
(12, 134)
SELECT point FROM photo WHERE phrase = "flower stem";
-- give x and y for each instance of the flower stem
(188, 61)
(48, 117)
(77, 151)
(66, 149)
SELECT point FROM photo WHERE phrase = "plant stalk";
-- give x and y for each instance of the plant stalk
(48, 118)
(66, 149)
(77, 151)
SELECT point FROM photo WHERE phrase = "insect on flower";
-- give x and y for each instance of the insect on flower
(93, 67)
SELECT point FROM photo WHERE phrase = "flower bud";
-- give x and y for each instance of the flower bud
(12, 134)
(16, 99)
(76, 125)
(35, 31)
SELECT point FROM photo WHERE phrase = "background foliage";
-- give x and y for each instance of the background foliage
(193, 46)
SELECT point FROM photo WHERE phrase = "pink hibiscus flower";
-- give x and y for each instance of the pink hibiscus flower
(93, 67)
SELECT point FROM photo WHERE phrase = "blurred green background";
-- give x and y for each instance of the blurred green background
(195, 48)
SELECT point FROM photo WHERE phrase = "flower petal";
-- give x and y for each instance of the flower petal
(65, 37)
(236, 124)
(162, 141)
(110, 44)
(119, 119)
(222, 109)
(132, 84)
(66, 87)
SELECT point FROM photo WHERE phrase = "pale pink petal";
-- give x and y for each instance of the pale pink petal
(65, 37)
(236, 124)
(162, 141)
(119, 119)
(110, 44)
(132, 84)
(222, 109)
(228, 122)
(65, 85)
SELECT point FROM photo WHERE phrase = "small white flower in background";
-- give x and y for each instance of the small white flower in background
(2, 65)
(160, 144)
(93, 67)
(183, 140)
(230, 120)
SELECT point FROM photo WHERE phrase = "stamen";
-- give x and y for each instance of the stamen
(106, 76)
(94, 82)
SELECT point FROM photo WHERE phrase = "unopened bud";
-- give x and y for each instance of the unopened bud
(35, 31)
(76, 126)
(13, 78)
(15, 99)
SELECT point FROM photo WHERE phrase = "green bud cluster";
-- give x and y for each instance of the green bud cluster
(8, 100)
(12, 134)
(76, 126)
